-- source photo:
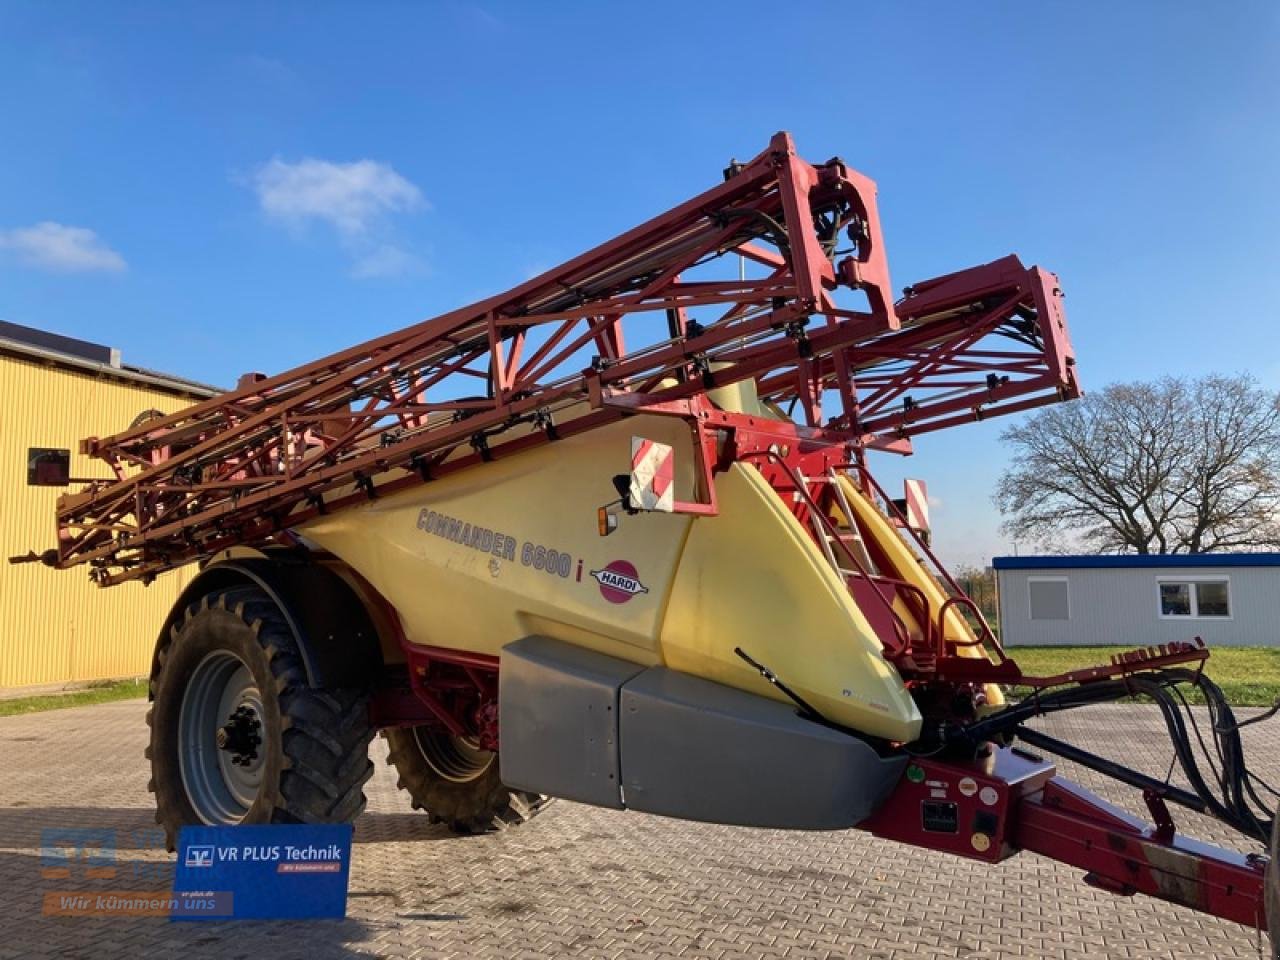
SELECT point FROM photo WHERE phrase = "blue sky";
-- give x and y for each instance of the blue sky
(232, 187)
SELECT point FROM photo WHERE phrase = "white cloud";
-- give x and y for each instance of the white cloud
(56, 246)
(385, 260)
(355, 198)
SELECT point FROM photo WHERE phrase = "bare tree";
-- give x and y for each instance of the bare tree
(1173, 466)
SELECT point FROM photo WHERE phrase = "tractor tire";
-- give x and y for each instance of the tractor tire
(456, 783)
(1272, 889)
(238, 735)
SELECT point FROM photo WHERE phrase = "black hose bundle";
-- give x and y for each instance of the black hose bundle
(1227, 789)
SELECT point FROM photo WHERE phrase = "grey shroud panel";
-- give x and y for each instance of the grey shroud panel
(558, 705)
(593, 728)
(700, 750)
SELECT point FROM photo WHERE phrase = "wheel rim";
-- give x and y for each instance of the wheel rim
(221, 717)
(457, 759)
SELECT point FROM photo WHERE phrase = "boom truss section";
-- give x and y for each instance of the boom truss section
(662, 313)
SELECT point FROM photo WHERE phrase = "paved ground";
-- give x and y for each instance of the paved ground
(588, 883)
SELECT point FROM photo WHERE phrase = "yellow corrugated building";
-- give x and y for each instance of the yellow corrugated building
(56, 627)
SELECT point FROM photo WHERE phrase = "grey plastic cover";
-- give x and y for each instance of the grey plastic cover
(700, 750)
(558, 707)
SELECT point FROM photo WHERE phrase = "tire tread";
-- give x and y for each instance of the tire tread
(325, 733)
(484, 805)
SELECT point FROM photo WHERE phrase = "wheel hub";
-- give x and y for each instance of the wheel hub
(241, 735)
(221, 732)
(457, 759)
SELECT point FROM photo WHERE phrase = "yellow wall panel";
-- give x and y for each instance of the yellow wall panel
(55, 625)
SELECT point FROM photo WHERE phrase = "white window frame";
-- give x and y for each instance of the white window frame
(1041, 579)
(1195, 602)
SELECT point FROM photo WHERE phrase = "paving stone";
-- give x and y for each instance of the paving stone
(583, 882)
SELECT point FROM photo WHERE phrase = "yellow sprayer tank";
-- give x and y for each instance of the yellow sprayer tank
(485, 558)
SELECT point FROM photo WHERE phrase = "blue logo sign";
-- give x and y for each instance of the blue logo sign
(263, 872)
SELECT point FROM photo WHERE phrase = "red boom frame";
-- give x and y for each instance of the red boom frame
(401, 409)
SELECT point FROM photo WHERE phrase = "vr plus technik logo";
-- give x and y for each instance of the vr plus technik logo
(198, 855)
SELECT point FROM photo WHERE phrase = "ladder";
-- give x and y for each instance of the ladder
(847, 535)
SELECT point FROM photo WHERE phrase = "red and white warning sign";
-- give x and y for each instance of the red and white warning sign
(653, 470)
(917, 505)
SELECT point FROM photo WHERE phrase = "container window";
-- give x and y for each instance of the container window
(1213, 599)
(1050, 598)
(1175, 599)
(1195, 598)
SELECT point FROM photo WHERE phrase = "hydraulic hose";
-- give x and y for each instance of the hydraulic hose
(1226, 790)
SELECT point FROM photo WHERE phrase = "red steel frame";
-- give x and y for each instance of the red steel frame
(1008, 800)
(402, 409)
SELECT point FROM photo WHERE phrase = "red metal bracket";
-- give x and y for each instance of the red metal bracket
(454, 689)
(991, 808)
(1067, 823)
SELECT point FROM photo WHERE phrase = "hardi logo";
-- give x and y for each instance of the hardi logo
(198, 856)
(619, 581)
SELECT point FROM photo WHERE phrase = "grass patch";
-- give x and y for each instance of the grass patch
(1249, 676)
(99, 693)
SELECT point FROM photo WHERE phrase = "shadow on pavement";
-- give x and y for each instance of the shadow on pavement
(28, 931)
(20, 826)
(140, 865)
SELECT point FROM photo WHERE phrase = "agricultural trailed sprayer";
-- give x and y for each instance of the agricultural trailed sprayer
(611, 536)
